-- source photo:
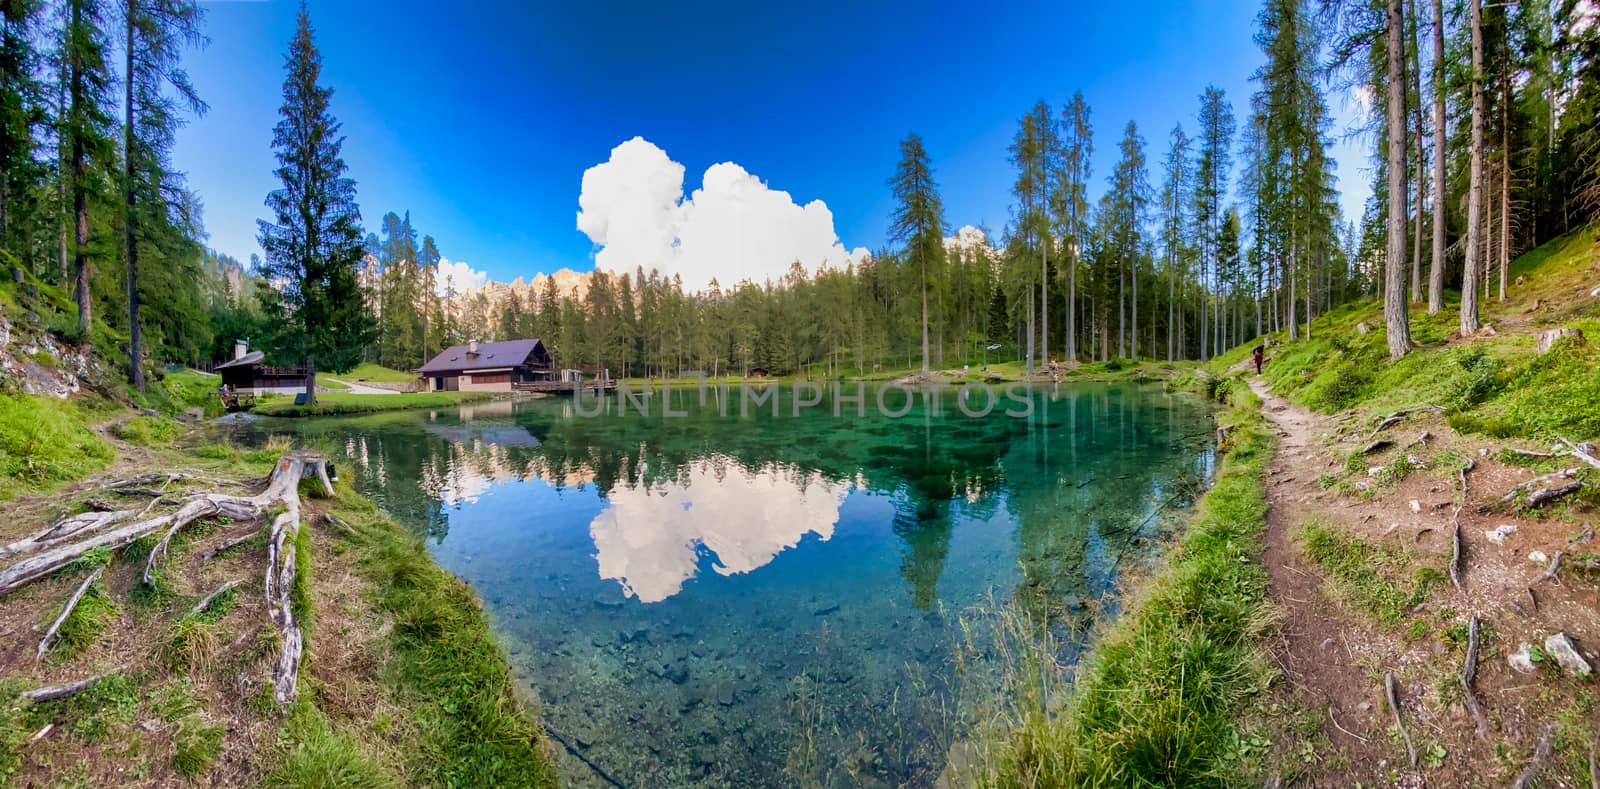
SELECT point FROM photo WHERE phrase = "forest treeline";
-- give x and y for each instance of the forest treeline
(1482, 118)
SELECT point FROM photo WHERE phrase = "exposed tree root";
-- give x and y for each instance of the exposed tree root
(340, 523)
(1541, 754)
(1543, 496)
(53, 692)
(1392, 691)
(229, 544)
(1375, 446)
(1399, 416)
(1469, 678)
(1536, 482)
(1533, 454)
(282, 489)
(54, 633)
(206, 601)
(1583, 452)
(1549, 572)
(61, 530)
(1457, 549)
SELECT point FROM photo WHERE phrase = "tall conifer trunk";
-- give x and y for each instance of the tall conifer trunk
(1469, 274)
(1394, 300)
(1436, 265)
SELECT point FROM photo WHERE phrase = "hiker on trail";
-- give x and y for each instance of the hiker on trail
(1256, 356)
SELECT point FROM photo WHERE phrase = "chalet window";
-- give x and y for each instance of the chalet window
(491, 378)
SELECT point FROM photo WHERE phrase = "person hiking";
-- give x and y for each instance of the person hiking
(1256, 355)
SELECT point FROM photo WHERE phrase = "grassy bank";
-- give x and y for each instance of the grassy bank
(1156, 699)
(340, 403)
(1494, 384)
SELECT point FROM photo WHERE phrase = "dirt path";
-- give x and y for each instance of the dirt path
(1335, 726)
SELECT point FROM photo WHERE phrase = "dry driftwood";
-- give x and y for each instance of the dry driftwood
(1392, 691)
(205, 602)
(1541, 754)
(53, 634)
(66, 528)
(229, 544)
(53, 692)
(1469, 677)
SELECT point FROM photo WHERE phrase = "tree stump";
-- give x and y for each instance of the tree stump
(1549, 338)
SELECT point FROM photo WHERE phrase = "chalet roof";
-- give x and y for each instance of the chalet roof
(490, 355)
(250, 359)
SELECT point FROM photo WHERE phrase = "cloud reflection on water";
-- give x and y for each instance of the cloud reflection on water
(648, 538)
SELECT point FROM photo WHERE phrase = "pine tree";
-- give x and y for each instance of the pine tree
(918, 219)
(1470, 270)
(156, 32)
(1211, 187)
(1394, 297)
(1072, 214)
(1174, 222)
(314, 244)
(20, 113)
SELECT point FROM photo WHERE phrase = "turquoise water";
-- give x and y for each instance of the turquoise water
(758, 600)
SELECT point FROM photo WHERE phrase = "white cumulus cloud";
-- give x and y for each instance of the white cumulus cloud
(733, 227)
(454, 276)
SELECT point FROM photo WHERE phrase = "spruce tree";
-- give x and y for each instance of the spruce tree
(918, 219)
(314, 244)
(85, 130)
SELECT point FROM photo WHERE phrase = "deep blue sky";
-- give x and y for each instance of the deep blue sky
(480, 117)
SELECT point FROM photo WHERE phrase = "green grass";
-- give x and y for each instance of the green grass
(373, 372)
(197, 745)
(1157, 698)
(337, 403)
(445, 665)
(87, 622)
(186, 389)
(44, 443)
(1499, 386)
(319, 757)
(1383, 582)
(147, 431)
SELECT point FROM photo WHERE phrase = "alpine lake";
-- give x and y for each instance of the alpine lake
(795, 591)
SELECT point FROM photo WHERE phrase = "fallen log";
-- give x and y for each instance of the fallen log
(1469, 678)
(206, 601)
(1392, 691)
(54, 633)
(53, 692)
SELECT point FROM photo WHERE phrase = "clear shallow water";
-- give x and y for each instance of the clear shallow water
(759, 600)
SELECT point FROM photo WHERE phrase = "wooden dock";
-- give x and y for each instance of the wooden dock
(563, 387)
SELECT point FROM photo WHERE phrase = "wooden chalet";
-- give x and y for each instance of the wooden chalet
(245, 374)
(488, 366)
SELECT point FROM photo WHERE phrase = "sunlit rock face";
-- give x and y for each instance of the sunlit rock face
(649, 538)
